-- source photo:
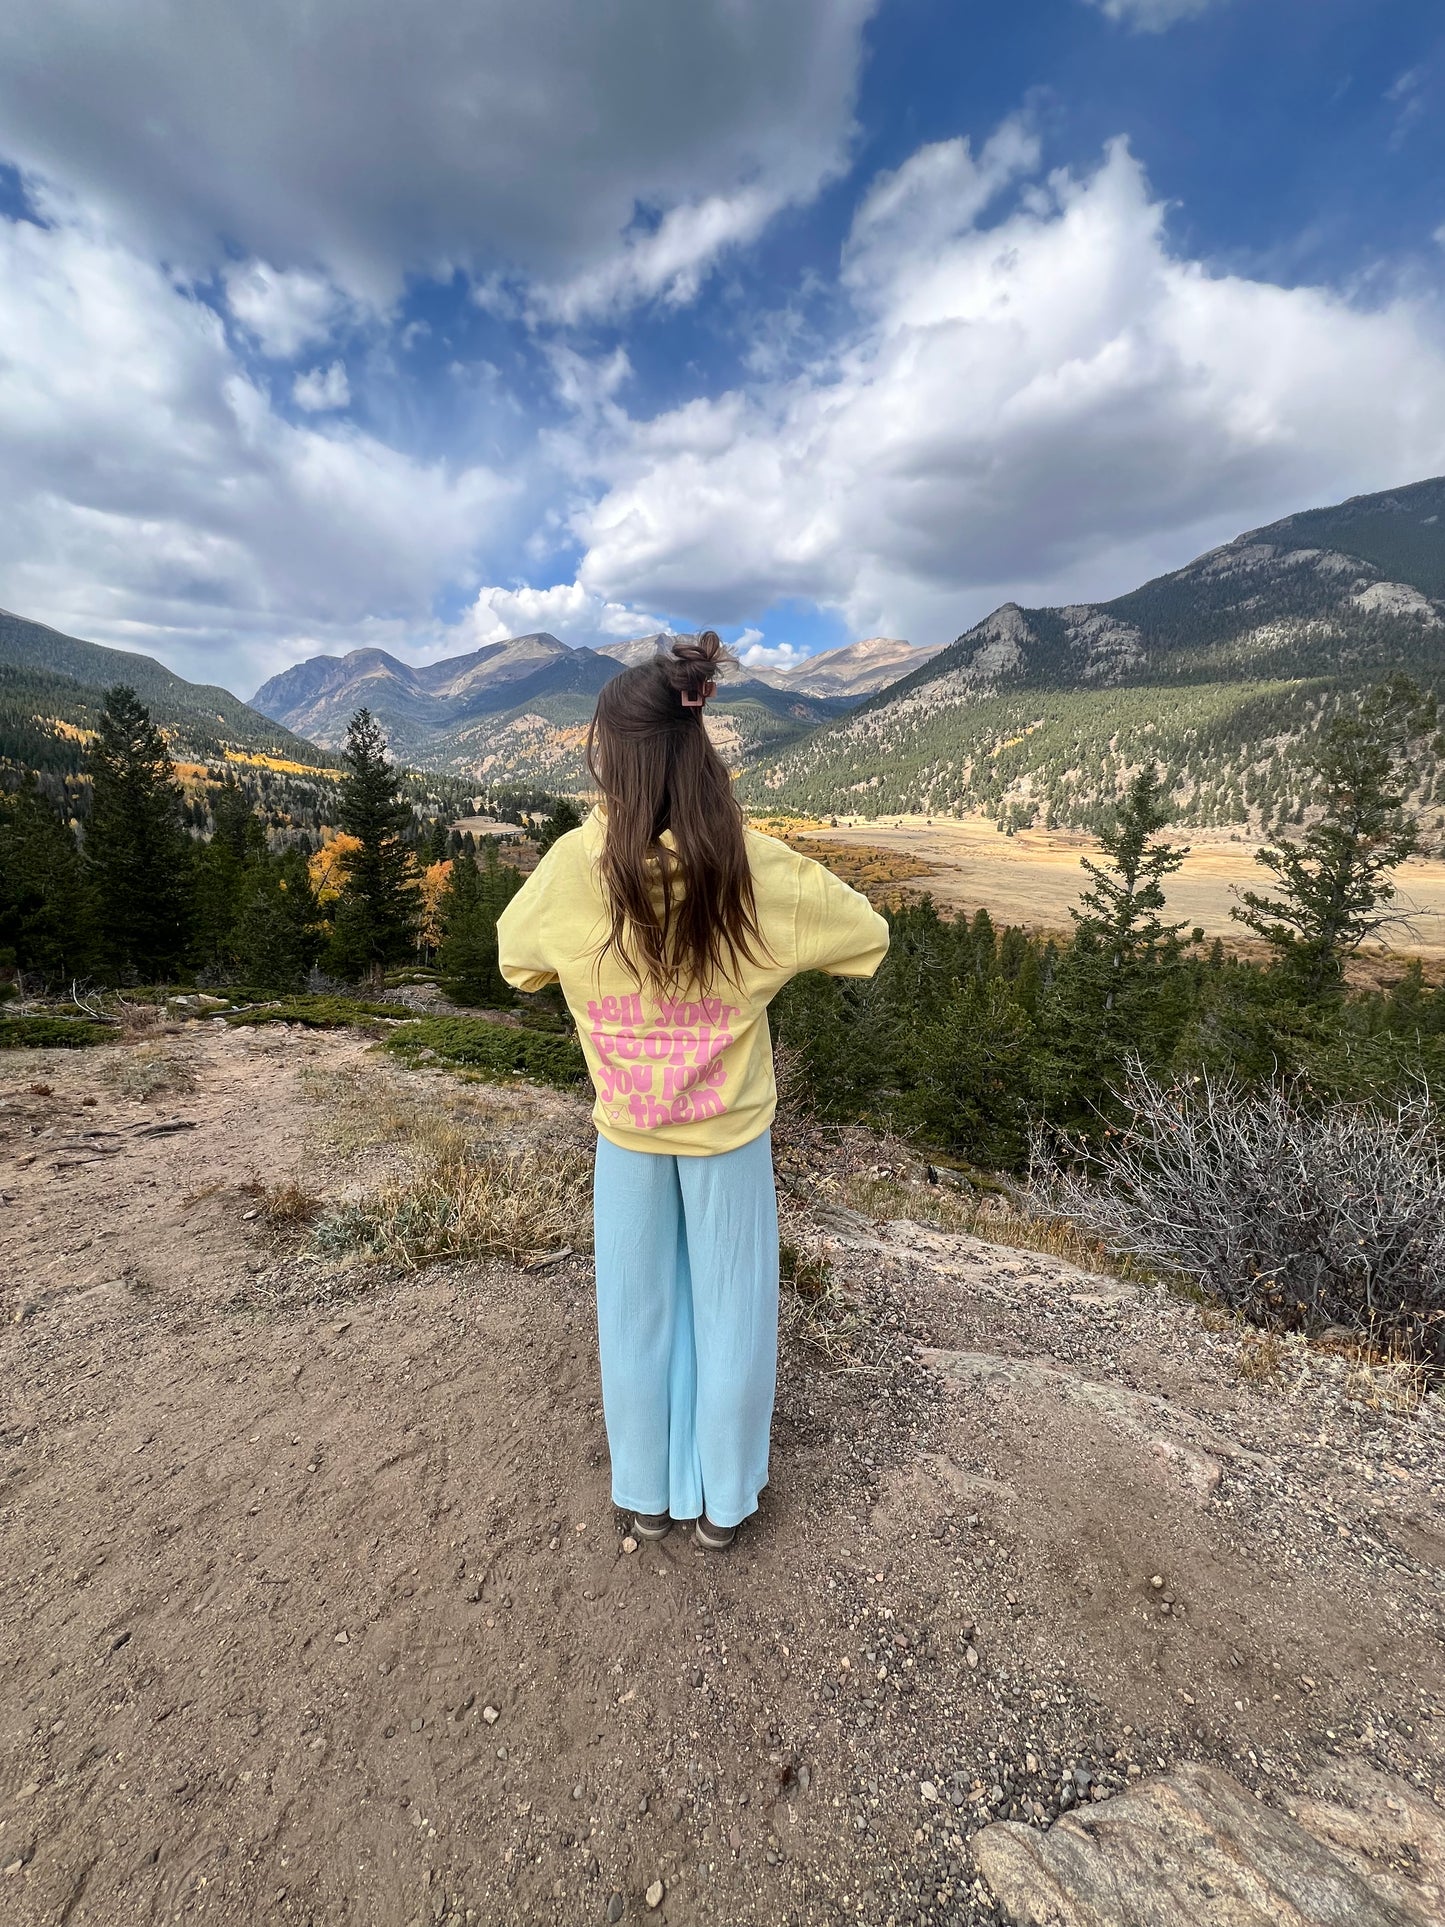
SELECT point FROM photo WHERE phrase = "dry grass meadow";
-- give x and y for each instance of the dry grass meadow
(1031, 878)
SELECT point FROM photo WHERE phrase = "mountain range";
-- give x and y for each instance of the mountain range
(1221, 670)
(518, 710)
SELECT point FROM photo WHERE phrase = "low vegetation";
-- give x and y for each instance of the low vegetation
(328, 1012)
(521, 1205)
(52, 1033)
(150, 1070)
(490, 1049)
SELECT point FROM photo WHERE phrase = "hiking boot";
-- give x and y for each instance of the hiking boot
(713, 1538)
(652, 1525)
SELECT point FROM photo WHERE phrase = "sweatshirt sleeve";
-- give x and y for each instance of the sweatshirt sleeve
(837, 929)
(521, 941)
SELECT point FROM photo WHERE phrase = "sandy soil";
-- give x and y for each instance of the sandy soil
(313, 1607)
(1031, 878)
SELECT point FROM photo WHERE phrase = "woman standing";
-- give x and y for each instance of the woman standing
(670, 927)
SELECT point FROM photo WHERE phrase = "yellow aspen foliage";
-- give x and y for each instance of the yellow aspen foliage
(433, 885)
(325, 864)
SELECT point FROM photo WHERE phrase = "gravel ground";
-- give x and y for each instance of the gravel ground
(313, 1607)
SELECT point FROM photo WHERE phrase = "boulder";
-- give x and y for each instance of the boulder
(1193, 1848)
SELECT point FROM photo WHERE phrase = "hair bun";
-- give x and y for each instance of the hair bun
(706, 649)
(695, 661)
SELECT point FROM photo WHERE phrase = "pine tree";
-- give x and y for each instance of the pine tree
(47, 915)
(565, 816)
(136, 850)
(375, 916)
(474, 898)
(1120, 908)
(1118, 990)
(278, 925)
(971, 1093)
(236, 846)
(1335, 885)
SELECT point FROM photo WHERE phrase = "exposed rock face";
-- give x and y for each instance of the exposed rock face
(1341, 592)
(1107, 648)
(859, 669)
(1194, 1849)
(1193, 1462)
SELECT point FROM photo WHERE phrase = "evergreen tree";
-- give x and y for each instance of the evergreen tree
(565, 816)
(1120, 908)
(474, 898)
(236, 846)
(1118, 990)
(375, 916)
(972, 1089)
(136, 850)
(47, 915)
(1334, 886)
(278, 924)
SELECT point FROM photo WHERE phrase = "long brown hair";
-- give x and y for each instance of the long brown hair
(657, 769)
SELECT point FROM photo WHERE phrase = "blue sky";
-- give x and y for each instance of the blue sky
(811, 319)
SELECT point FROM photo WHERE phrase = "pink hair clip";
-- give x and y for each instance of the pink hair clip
(696, 702)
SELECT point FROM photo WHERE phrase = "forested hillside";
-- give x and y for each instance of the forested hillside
(52, 691)
(1224, 671)
(43, 673)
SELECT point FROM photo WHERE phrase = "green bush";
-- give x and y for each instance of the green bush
(318, 1013)
(495, 1050)
(51, 1033)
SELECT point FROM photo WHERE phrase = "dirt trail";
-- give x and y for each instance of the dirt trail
(313, 1607)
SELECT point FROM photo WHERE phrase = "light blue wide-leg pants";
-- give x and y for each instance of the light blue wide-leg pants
(687, 1326)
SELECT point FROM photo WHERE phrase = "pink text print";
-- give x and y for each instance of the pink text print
(662, 1070)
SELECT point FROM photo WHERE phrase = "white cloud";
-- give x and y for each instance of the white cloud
(155, 499)
(937, 193)
(668, 263)
(320, 389)
(1152, 16)
(606, 152)
(1051, 407)
(285, 309)
(568, 611)
(754, 653)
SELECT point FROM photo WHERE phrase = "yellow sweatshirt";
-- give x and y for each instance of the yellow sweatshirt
(693, 1074)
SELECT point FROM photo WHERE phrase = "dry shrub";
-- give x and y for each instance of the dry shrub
(139, 1020)
(518, 1205)
(1261, 1356)
(290, 1204)
(1319, 1221)
(814, 1308)
(150, 1070)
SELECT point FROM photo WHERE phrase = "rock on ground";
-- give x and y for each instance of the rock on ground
(1193, 1849)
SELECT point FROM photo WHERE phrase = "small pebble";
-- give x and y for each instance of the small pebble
(629, 1544)
(614, 1908)
(654, 1894)
(490, 1715)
